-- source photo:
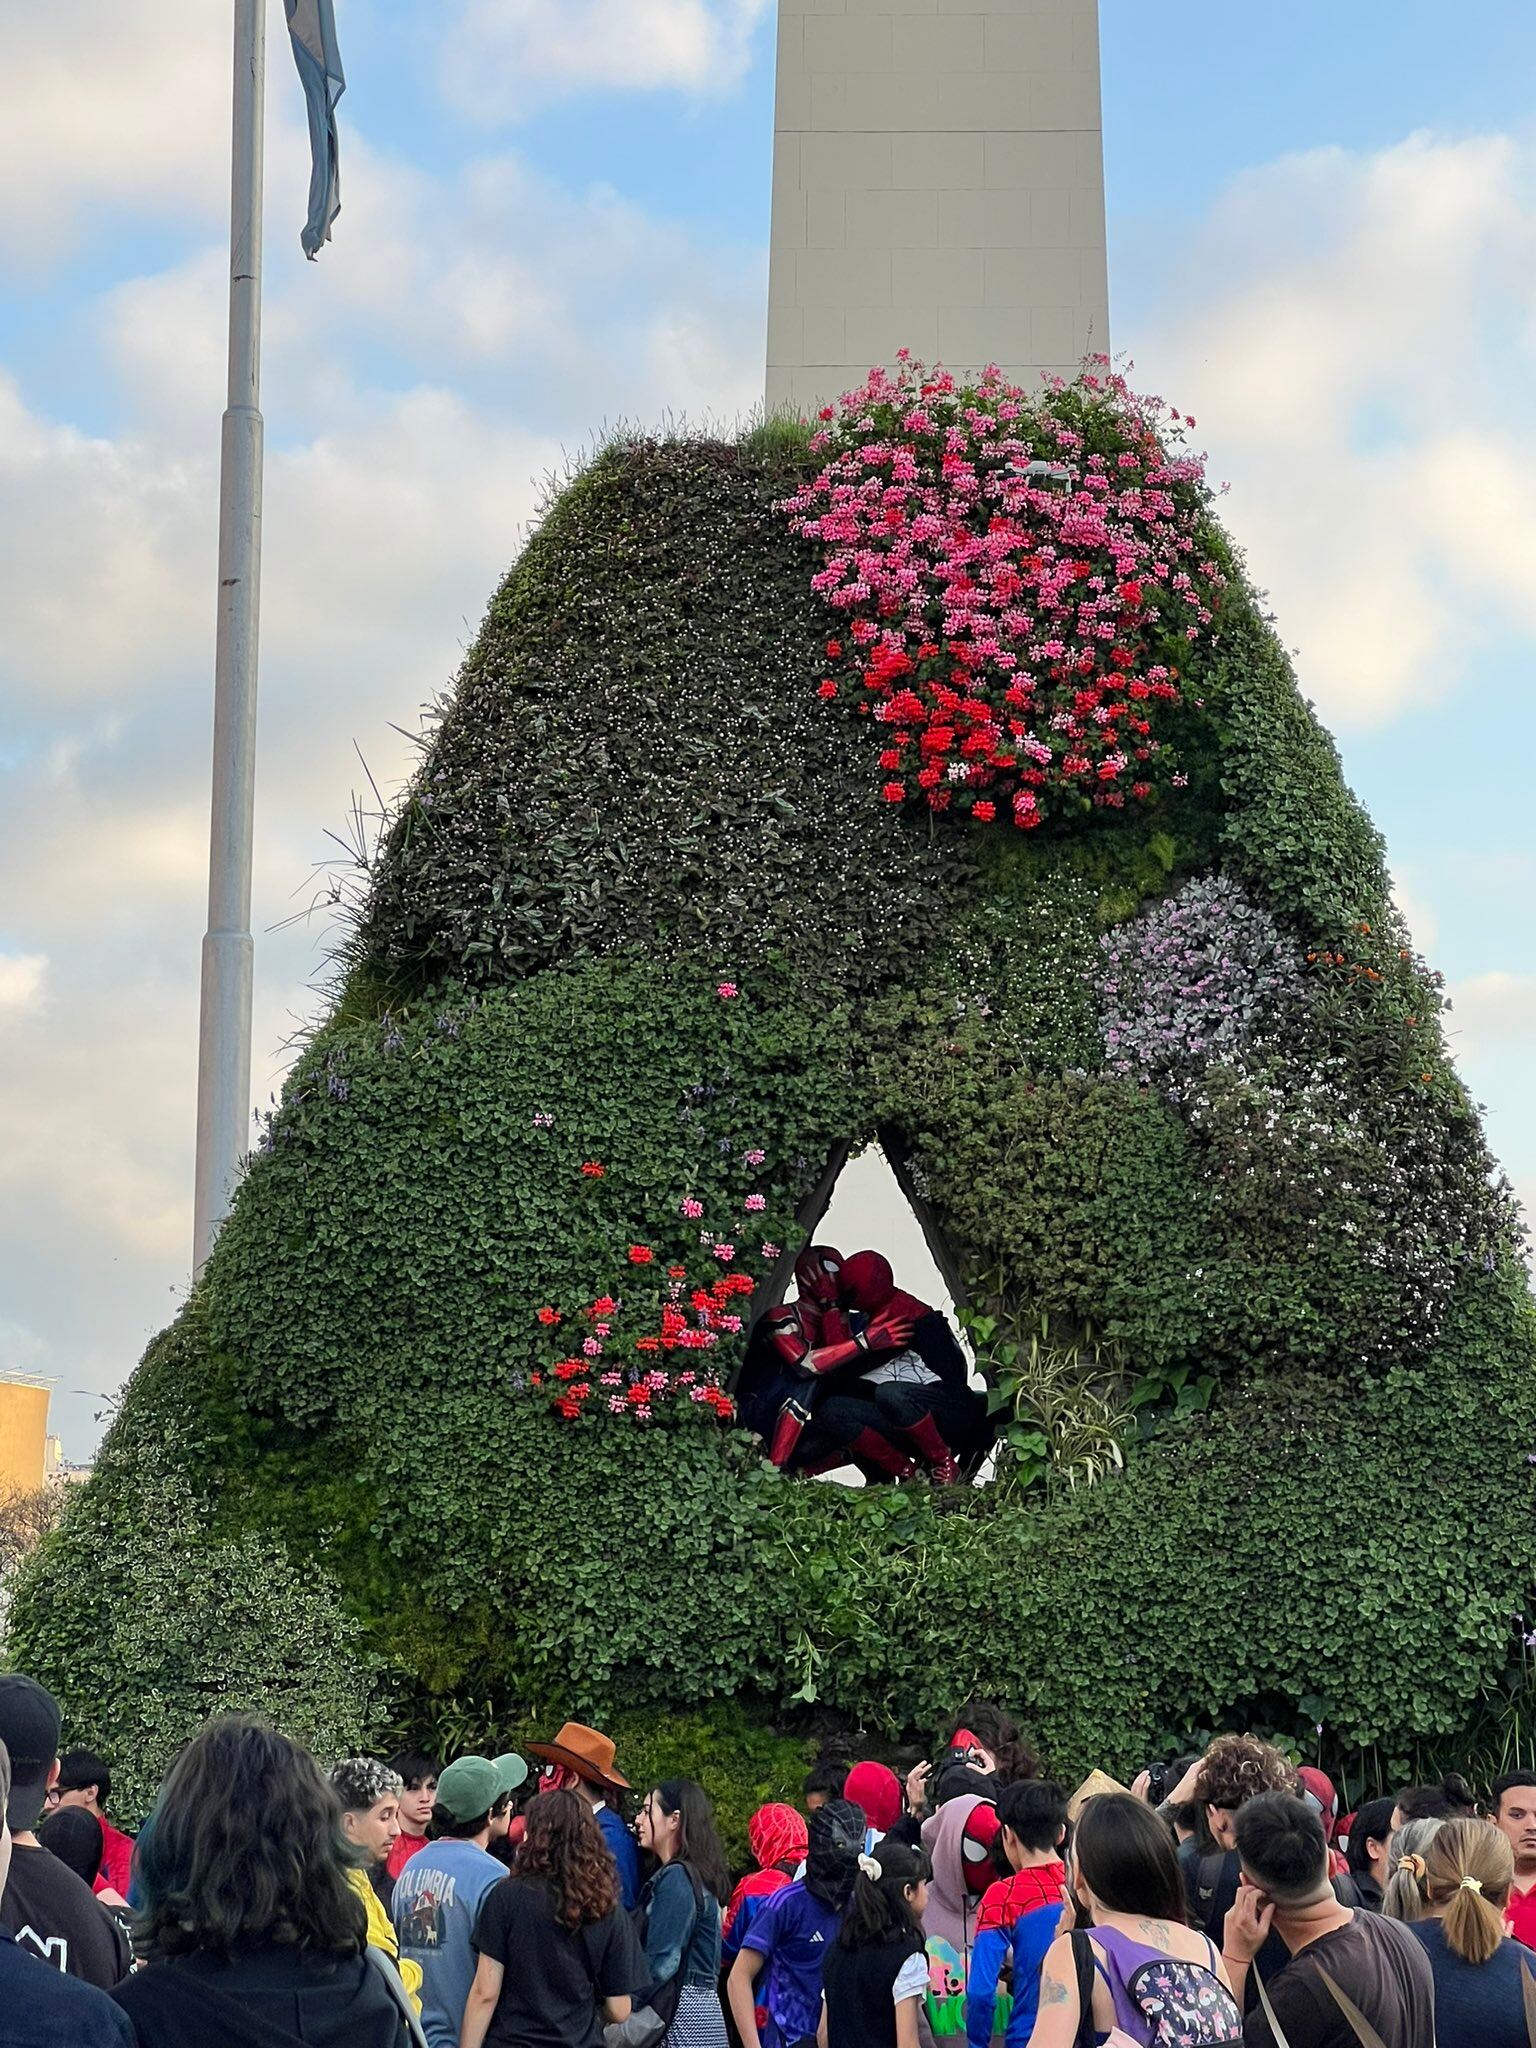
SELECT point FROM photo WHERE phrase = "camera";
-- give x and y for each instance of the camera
(1159, 1783)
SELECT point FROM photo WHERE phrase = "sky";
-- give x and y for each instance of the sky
(555, 212)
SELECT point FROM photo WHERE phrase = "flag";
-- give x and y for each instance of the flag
(312, 26)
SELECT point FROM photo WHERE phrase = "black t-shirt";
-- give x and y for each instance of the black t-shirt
(552, 1980)
(56, 1915)
(859, 1986)
(1379, 1967)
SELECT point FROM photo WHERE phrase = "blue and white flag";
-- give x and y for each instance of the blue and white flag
(312, 26)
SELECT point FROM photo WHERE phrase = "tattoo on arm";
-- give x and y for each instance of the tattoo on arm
(1052, 1990)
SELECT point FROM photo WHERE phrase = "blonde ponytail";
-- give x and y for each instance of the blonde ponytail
(1468, 1870)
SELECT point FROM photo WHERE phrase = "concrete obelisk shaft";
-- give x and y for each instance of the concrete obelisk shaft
(224, 1039)
(938, 185)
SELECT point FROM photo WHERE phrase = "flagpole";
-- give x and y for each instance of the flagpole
(224, 1034)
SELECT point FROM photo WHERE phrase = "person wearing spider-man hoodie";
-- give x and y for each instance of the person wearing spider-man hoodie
(958, 1837)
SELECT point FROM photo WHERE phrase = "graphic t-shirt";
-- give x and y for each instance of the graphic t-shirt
(436, 1902)
(794, 1931)
(55, 1915)
(1378, 1966)
(42, 2008)
(552, 1980)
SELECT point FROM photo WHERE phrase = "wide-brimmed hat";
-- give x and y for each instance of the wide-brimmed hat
(585, 1751)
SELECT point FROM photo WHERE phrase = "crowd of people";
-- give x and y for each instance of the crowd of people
(539, 1900)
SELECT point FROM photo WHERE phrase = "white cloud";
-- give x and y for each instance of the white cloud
(504, 58)
(1493, 1010)
(1358, 330)
(21, 981)
(108, 106)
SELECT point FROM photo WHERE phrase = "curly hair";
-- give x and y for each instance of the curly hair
(995, 1729)
(244, 1848)
(360, 1782)
(563, 1848)
(1239, 1767)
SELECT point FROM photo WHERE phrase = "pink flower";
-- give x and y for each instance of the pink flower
(725, 1252)
(616, 1402)
(726, 990)
(756, 1156)
(691, 1209)
(770, 1251)
(591, 1348)
(755, 1204)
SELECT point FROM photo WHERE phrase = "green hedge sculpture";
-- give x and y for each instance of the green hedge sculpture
(1274, 1280)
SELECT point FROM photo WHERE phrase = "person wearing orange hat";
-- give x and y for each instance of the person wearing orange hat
(581, 1760)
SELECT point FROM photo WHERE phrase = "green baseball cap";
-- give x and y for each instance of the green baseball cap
(470, 1786)
(514, 1771)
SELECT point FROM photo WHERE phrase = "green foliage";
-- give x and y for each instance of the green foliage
(632, 750)
(333, 1488)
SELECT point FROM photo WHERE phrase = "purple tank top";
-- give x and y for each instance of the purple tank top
(1178, 2004)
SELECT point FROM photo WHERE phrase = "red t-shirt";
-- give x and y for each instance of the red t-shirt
(116, 1873)
(1520, 1915)
(405, 1848)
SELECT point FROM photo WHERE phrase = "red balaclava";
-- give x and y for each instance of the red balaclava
(877, 1789)
(776, 1834)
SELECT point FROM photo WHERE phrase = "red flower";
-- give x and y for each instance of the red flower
(826, 688)
(647, 1343)
(834, 649)
(984, 810)
(891, 758)
(568, 1369)
(825, 413)
(640, 1255)
(605, 1305)
(894, 792)
(549, 1317)
(593, 1169)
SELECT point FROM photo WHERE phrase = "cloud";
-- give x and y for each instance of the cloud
(1358, 327)
(460, 336)
(21, 981)
(109, 106)
(1495, 1010)
(505, 58)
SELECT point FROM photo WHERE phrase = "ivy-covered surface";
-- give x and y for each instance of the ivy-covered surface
(339, 1487)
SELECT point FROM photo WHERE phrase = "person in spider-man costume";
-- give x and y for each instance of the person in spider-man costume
(806, 1351)
(857, 1369)
(911, 1388)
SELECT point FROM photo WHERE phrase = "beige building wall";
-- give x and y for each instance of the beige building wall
(938, 185)
(23, 1436)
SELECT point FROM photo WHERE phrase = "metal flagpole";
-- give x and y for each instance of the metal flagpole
(224, 1037)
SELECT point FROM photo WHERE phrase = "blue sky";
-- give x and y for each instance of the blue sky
(1323, 243)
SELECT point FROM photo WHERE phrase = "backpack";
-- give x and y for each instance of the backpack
(1183, 2004)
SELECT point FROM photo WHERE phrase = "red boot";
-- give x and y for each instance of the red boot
(944, 1464)
(871, 1448)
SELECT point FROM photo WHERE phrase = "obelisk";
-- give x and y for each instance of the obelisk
(938, 185)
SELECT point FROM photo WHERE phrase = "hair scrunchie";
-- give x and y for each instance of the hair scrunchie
(1472, 1884)
(871, 1868)
(1415, 1867)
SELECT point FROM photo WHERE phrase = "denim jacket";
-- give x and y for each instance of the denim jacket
(679, 1934)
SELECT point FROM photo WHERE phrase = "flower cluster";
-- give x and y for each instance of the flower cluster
(623, 1362)
(1204, 976)
(1015, 582)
